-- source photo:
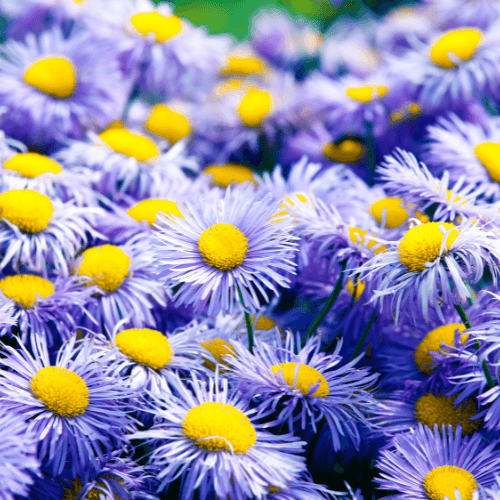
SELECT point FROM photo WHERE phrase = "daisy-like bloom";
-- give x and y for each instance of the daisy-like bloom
(452, 70)
(217, 251)
(40, 234)
(55, 88)
(73, 407)
(18, 463)
(127, 286)
(432, 262)
(466, 149)
(49, 308)
(425, 464)
(129, 162)
(304, 388)
(207, 436)
(458, 13)
(404, 176)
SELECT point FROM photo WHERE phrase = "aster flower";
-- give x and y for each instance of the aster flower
(306, 387)
(216, 251)
(209, 438)
(425, 463)
(18, 463)
(55, 88)
(74, 409)
(40, 234)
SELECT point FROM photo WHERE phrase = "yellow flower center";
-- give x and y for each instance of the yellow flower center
(162, 27)
(32, 165)
(146, 346)
(395, 213)
(462, 43)
(346, 151)
(488, 154)
(307, 377)
(366, 93)
(431, 409)
(241, 65)
(432, 343)
(443, 480)
(357, 235)
(422, 244)
(264, 323)
(94, 494)
(356, 290)
(61, 390)
(167, 123)
(218, 348)
(218, 426)
(409, 110)
(28, 210)
(148, 210)
(223, 246)
(127, 143)
(254, 107)
(223, 175)
(108, 265)
(24, 288)
(55, 76)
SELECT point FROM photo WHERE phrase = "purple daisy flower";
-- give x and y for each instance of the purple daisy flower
(54, 88)
(217, 251)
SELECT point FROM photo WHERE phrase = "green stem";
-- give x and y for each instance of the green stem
(465, 319)
(248, 322)
(370, 151)
(365, 333)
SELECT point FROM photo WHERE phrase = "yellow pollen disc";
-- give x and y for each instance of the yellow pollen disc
(61, 390)
(28, 210)
(24, 288)
(218, 426)
(167, 123)
(32, 165)
(422, 244)
(367, 93)
(462, 43)
(240, 65)
(163, 27)
(431, 409)
(356, 290)
(357, 235)
(218, 348)
(146, 346)
(108, 265)
(223, 246)
(307, 377)
(346, 151)
(148, 209)
(129, 144)
(443, 480)
(263, 323)
(94, 494)
(229, 174)
(254, 107)
(54, 76)
(432, 343)
(488, 154)
(273, 489)
(395, 213)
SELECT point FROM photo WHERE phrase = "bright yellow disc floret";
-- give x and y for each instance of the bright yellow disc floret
(162, 27)
(488, 153)
(108, 265)
(231, 173)
(24, 288)
(127, 143)
(307, 377)
(346, 151)
(73, 493)
(366, 93)
(32, 165)
(146, 346)
(395, 213)
(254, 107)
(147, 210)
(263, 323)
(62, 391)
(461, 42)
(422, 244)
(356, 290)
(218, 348)
(28, 210)
(442, 481)
(217, 426)
(168, 123)
(223, 246)
(55, 76)
(244, 65)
